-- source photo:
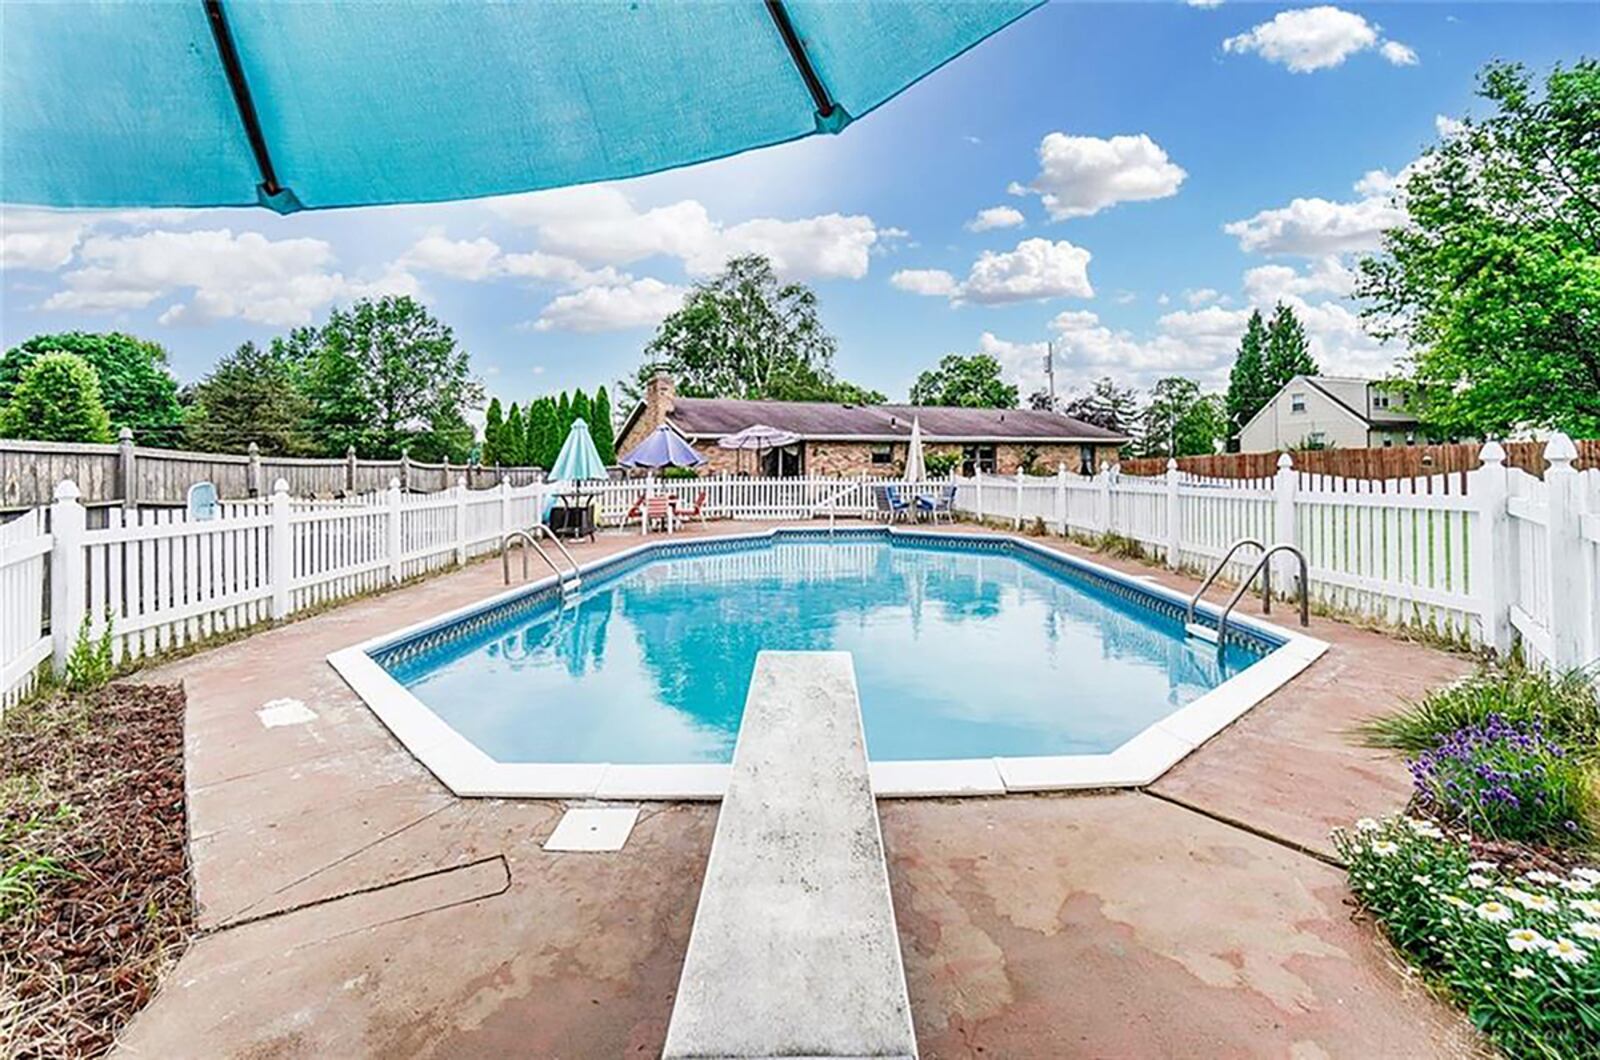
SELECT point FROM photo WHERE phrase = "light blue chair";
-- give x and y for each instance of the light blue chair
(891, 506)
(943, 505)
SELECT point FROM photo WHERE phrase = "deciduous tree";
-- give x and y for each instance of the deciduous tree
(57, 399)
(136, 386)
(966, 380)
(1105, 404)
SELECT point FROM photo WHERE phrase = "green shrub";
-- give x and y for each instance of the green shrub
(91, 664)
(940, 464)
(678, 472)
(1507, 781)
(1565, 705)
(1520, 953)
(57, 399)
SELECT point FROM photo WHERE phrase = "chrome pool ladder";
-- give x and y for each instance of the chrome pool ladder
(530, 536)
(1263, 567)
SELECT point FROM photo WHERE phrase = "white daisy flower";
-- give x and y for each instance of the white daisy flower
(1586, 929)
(1419, 878)
(1522, 971)
(1479, 881)
(1566, 950)
(1482, 866)
(1495, 912)
(1526, 940)
(1541, 876)
(1577, 886)
(1424, 828)
(1539, 903)
(1367, 824)
(1383, 848)
(1587, 906)
(1588, 875)
(1459, 903)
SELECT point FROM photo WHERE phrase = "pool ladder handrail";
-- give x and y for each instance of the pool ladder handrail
(530, 536)
(832, 504)
(1263, 567)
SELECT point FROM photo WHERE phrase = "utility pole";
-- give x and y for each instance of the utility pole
(1050, 370)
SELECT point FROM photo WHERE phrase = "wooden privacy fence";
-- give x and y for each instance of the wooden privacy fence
(135, 476)
(1486, 557)
(1412, 461)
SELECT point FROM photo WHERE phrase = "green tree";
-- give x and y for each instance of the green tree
(1179, 420)
(57, 399)
(966, 380)
(387, 376)
(1288, 352)
(1107, 405)
(605, 437)
(742, 334)
(1493, 282)
(493, 423)
(250, 396)
(1249, 387)
(544, 432)
(135, 384)
(513, 439)
(582, 409)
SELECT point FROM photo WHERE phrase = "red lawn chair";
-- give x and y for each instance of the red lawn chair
(696, 512)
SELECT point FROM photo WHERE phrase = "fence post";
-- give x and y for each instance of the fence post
(405, 469)
(68, 594)
(1018, 525)
(459, 492)
(350, 470)
(253, 474)
(1491, 560)
(1285, 571)
(1061, 499)
(125, 468)
(392, 530)
(1570, 597)
(505, 506)
(1172, 513)
(282, 545)
(1103, 515)
(977, 491)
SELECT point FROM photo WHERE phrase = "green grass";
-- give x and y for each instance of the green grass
(22, 867)
(1567, 706)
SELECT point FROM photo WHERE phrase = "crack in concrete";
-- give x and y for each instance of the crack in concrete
(1243, 826)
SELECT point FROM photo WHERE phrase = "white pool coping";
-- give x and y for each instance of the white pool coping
(469, 772)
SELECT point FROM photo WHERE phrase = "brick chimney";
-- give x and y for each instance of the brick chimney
(659, 400)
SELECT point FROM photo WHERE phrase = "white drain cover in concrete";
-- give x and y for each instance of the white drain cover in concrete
(593, 828)
(278, 712)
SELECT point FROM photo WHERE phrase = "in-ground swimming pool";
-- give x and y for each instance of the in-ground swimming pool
(966, 648)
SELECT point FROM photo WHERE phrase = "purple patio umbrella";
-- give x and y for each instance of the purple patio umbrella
(663, 449)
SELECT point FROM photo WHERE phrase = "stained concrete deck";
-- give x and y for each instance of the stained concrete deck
(354, 908)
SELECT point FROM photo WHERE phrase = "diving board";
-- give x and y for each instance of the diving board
(794, 951)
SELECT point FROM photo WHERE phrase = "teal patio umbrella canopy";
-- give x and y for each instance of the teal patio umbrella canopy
(322, 104)
(578, 459)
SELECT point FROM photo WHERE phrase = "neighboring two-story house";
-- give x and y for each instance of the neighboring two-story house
(1324, 411)
(839, 439)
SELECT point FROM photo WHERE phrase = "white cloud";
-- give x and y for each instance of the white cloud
(1197, 343)
(1082, 175)
(613, 307)
(1316, 227)
(1203, 3)
(1398, 54)
(1269, 284)
(1036, 269)
(601, 226)
(926, 281)
(1202, 296)
(39, 239)
(483, 259)
(1447, 126)
(1316, 38)
(244, 275)
(1021, 363)
(996, 217)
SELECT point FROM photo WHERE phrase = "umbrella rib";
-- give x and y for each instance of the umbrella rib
(802, 61)
(241, 95)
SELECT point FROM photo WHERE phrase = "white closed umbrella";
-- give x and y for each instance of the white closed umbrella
(916, 466)
(758, 436)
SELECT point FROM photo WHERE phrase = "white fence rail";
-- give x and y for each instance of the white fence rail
(1510, 556)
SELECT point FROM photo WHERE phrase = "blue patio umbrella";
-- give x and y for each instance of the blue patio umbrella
(663, 448)
(322, 104)
(578, 459)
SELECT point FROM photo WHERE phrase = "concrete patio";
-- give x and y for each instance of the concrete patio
(353, 907)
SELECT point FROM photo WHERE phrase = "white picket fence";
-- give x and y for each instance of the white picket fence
(1508, 556)
(1477, 559)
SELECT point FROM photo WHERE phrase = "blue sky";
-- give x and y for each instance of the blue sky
(1150, 171)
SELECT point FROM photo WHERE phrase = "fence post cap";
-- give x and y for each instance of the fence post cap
(394, 484)
(1285, 461)
(1172, 463)
(350, 451)
(1560, 451)
(253, 449)
(462, 482)
(280, 486)
(1492, 453)
(67, 490)
(125, 434)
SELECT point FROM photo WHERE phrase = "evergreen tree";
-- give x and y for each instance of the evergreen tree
(511, 439)
(582, 410)
(605, 438)
(493, 425)
(563, 419)
(250, 396)
(1248, 387)
(1107, 405)
(544, 443)
(56, 399)
(1288, 353)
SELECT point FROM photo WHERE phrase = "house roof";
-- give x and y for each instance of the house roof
(819, 420)
(1370, 417)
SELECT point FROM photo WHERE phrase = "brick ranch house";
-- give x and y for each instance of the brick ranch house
(849, 440)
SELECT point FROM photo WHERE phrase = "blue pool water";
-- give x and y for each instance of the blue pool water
(959, 653)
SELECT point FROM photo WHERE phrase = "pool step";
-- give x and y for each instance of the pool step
(1194, 629)
(794, 951)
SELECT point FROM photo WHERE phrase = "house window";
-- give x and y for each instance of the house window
(1380, 400)
(977, 458)
(1086, 460)
(883, 454)
(1297, 402)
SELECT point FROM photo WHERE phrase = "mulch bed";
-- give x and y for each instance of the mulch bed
(95, 782)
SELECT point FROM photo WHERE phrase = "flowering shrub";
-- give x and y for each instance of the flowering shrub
(1505, 780)
(1520, 953)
